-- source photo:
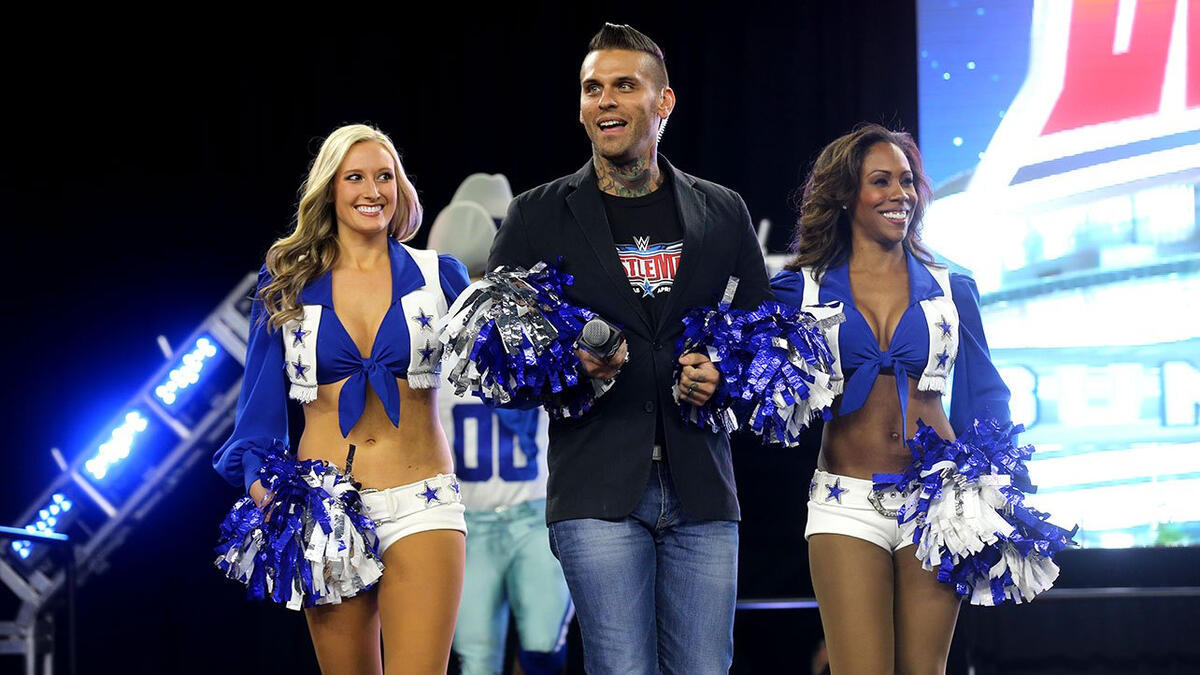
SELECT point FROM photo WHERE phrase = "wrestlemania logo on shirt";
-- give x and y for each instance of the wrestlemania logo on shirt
(650, 267)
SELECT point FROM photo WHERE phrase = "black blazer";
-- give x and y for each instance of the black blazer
(599, 463)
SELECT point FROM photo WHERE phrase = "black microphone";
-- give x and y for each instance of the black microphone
(601, 338)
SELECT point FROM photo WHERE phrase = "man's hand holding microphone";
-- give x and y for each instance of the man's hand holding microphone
(602, 349)
(603, 352)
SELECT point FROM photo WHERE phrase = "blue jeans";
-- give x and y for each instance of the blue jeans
(509, 564)
(655, 590)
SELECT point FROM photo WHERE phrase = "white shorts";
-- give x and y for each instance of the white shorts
(850, 506)
(430, 504)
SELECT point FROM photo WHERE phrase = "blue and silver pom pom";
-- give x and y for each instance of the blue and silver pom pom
(312, 544)
(965, 511)
(774, 362)
(510, 337)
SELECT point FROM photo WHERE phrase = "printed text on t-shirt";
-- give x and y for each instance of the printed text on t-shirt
(650, 267)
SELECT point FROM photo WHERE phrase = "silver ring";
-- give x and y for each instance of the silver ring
(691, 389)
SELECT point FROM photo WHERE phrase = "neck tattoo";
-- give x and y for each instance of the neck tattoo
(636, 178)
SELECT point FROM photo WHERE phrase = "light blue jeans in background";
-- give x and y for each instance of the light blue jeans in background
(509, 564)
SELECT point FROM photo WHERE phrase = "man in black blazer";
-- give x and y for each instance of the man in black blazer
(642, 506)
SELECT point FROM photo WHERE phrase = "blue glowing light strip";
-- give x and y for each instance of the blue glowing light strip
(187, 372)
(117, 447)
(47, 520)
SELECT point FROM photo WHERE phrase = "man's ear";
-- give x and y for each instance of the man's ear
(666, 102)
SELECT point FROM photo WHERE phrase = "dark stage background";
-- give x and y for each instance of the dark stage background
(147, 173)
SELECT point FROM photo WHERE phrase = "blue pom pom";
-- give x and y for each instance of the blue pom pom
(510, 337)
(964, 508)
(312, 544)
(774, 363)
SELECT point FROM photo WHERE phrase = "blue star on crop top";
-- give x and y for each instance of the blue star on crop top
(932, 337)
(316, 349)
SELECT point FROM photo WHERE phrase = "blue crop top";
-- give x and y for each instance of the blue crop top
(275, 357)
(955, 330)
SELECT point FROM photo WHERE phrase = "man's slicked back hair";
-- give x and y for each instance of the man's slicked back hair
(624, 36)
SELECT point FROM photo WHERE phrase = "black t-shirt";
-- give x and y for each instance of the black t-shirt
(649, 240)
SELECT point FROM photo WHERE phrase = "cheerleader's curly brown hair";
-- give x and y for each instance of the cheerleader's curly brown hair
(822, 237)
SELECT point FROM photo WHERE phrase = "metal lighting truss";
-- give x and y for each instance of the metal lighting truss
(176, 418)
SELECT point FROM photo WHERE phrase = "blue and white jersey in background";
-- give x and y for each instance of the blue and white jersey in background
(499, 455)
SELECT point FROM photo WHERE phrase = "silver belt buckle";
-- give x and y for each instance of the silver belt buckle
(877, 504)
(656, 454)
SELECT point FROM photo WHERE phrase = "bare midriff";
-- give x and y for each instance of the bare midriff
(385, 456)
(869, 440)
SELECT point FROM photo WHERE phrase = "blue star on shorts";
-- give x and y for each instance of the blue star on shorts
(430, 494)
(835, 491)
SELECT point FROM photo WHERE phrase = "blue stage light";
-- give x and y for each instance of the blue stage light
(58, 501)
(116, 448)
(187, 372)
(47, 519)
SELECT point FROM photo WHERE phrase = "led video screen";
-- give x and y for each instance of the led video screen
(1063, 141)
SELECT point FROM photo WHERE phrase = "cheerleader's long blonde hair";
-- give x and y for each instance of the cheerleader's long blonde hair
(312, 247)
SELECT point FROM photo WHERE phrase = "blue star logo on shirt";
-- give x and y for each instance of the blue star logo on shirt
(945, 326)
(942, 358)
(300, 369)
(812, 487)
(835, 491)
(647, 288)
(426, 320)
(426, 352)
(456, 487)
(298, 336)
(430, 494)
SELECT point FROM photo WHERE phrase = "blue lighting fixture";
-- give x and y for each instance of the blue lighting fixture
(135, 460)
(187, 372)
(117, 447)
(47, 519)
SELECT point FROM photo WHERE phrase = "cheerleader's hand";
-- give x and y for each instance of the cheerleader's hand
(698, 379)
(261, 496)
